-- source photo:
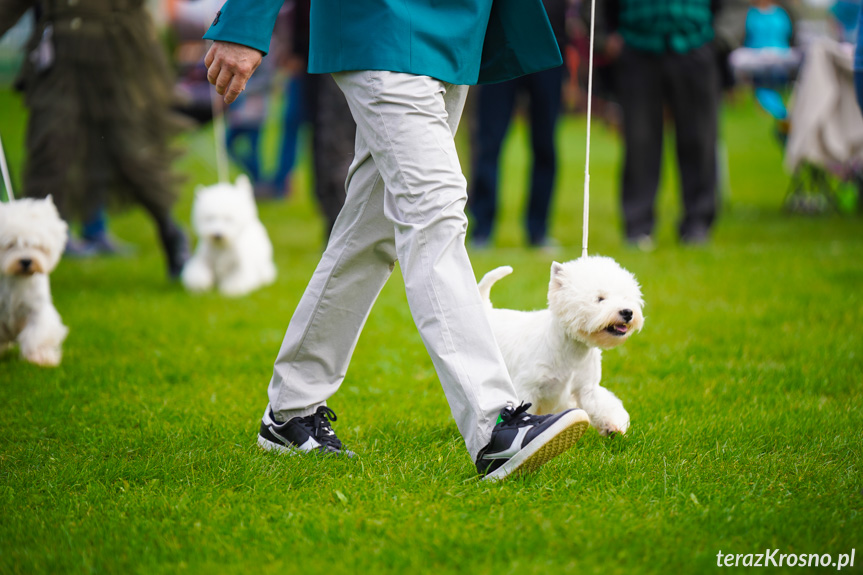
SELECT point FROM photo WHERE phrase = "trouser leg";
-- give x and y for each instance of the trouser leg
(641, 102)
(292, 116)
(545, 94)
(333, 144)
(493, 113)
(327, 323)
(407, 122)
(693, 95)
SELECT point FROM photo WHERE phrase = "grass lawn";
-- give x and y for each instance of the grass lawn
(138, 455)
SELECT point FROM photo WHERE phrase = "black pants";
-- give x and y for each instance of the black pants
(333, 135)
(495, 106)
(689, 85)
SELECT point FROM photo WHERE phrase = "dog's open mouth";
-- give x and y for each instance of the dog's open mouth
(618, 329)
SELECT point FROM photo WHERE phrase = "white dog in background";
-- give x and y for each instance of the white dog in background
(553, 356)
(234, 251)
(32, 238)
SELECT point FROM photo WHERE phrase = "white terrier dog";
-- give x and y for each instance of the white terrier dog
(32, 238)
(553, 356)
(234, 251)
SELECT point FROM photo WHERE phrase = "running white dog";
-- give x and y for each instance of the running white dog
(553, 356)
(234, 251)
(32, 238)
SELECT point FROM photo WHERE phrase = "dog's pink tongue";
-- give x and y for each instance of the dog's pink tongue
(621, 328)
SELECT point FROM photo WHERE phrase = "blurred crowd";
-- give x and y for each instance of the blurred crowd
(109, 83)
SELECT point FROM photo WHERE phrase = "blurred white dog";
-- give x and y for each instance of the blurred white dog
(234, 251)
(32, 238)
(553, 356)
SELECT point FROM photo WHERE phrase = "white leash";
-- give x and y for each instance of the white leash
(7, 181)
(219, 133)
(587, 152)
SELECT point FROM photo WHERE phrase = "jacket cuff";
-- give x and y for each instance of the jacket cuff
(246, 22)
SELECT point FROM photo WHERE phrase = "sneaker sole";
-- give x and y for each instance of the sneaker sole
(268, 445)
(565, 433)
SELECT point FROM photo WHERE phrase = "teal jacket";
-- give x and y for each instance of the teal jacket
(456, 41)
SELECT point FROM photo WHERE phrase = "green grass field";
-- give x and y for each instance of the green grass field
(138, 454)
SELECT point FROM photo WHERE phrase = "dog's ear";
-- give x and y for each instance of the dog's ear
(244, 184)
(556, 271)
(51, 206)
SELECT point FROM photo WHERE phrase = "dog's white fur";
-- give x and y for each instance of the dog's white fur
(554, 355)
(32, 239)
(234, 251)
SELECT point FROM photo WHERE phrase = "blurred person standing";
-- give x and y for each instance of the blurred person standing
(668, 60)
(96, 83)
(767, 58)
(494, 111)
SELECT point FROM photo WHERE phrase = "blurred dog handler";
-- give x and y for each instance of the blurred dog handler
(97, 85)
(667, 63)
(403, 66)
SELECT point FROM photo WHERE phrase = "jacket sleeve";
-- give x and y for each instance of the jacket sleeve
(246, 22)
(11, 11)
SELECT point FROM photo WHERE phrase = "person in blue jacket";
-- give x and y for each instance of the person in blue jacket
(403, 66)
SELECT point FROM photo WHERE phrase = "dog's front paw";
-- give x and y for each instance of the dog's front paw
(610, 430)
(44, 356)
(237, 286)
(614, 423)
(197, 276)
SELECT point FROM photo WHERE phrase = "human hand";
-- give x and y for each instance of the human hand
(229, 67)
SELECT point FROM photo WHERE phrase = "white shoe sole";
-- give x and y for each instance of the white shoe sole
(268, 445)
(565, 433)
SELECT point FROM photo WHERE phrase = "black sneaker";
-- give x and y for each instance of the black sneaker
(521, 442)
(302, 434)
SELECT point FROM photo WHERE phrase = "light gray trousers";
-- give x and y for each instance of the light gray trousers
(405, 201)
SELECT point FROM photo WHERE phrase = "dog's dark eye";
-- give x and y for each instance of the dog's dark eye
(600, 299)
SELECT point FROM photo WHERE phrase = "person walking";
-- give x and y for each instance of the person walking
(403, 66)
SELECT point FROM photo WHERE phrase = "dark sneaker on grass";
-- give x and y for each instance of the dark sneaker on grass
(309, 434)
(521, 442)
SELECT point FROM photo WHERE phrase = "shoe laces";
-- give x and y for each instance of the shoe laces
(322, 431)
(516, 416)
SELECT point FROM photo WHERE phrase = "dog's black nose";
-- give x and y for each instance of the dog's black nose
(25, 264)
(626, 314)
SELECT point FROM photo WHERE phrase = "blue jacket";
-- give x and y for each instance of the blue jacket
(456, 41)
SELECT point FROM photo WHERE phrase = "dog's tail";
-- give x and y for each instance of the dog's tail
(489, 280)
